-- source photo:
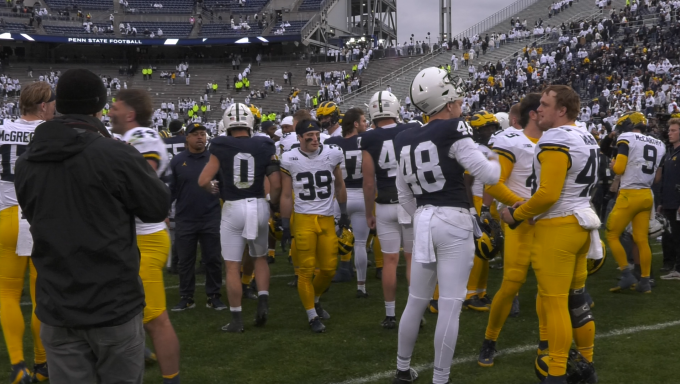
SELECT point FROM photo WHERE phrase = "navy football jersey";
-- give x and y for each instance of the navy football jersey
(433, 176)
(379, 143)
(175, 145)
(243, 165)
(351, 165)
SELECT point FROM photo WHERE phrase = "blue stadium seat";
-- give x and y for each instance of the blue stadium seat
(225, 30)
(169, 6)
(72, 30)
(250, 6)
(310, 5)
(16, 27)
(170, 29)
(84, 5)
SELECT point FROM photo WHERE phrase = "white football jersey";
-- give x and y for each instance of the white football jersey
(506, 131)
(149, 143)
(644, 156)
(14, 138)
(517, 147)
(313, 178)
(581, 181)
(477, 185)
(286, 143)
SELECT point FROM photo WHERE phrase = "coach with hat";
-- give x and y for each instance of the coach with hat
(197, 219)
(80, 191)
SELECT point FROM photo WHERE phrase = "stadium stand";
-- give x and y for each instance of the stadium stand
(225, 30)
(168, 6)
(84, 5)
(309, 5)
(170, 29)
(250, 6)
(579, 11)
(69, 30)
(15, 27)
(293, 29)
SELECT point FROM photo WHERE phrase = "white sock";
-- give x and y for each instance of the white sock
(389, 308)
(260, 293)
(316, 299)
(235, 309)
(361, 287)
(403, 363)
(311, 313)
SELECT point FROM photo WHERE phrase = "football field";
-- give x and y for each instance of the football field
(637, 335)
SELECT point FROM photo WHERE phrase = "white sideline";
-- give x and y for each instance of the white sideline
(511, 351)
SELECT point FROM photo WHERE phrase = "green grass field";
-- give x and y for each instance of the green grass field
(637, 337)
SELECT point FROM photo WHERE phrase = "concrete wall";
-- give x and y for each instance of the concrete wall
(337, 16)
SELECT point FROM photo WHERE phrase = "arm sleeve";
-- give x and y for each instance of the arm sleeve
(500, 191)
(139, 188)
(554, 165)
(406, 198)
(465, 152)
(621, 157)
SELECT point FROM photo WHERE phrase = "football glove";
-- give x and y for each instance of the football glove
(344, 221)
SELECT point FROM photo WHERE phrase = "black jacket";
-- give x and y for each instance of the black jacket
(80, 192)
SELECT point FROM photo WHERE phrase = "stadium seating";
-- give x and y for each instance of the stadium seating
(15, 27)
(170, 29)
(225, 30)
(294, 28)
(249, 6)
(56, 5)
(169, 6)
(310, 5)
(71, 30)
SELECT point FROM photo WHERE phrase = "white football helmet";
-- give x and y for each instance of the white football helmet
(657, 225)
(433, 88)
(238, 116)
(503, 119)
(383, 104)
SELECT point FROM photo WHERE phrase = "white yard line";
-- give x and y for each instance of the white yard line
(512, 351)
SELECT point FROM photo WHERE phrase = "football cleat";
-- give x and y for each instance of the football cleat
(233, 327)
(316, 325)
(672, 275)
(487, 353)
(514, 310)
(405, 377)
(389, 323)
(486, 300)
(434, 306)
(248, 292)
(627, 281)
(378, 273)
(185, 303)
(40, 373)
(293, 283)
(321, 312)
(215, 303)
(150, 358)
(262, 310)
(475, 304)
(643, 286)
(20, 374)
(361, 294)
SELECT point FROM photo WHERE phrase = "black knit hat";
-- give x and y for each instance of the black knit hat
(175, 126)
(80, 91)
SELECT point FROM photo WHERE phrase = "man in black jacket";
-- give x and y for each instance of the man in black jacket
(81, 191)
